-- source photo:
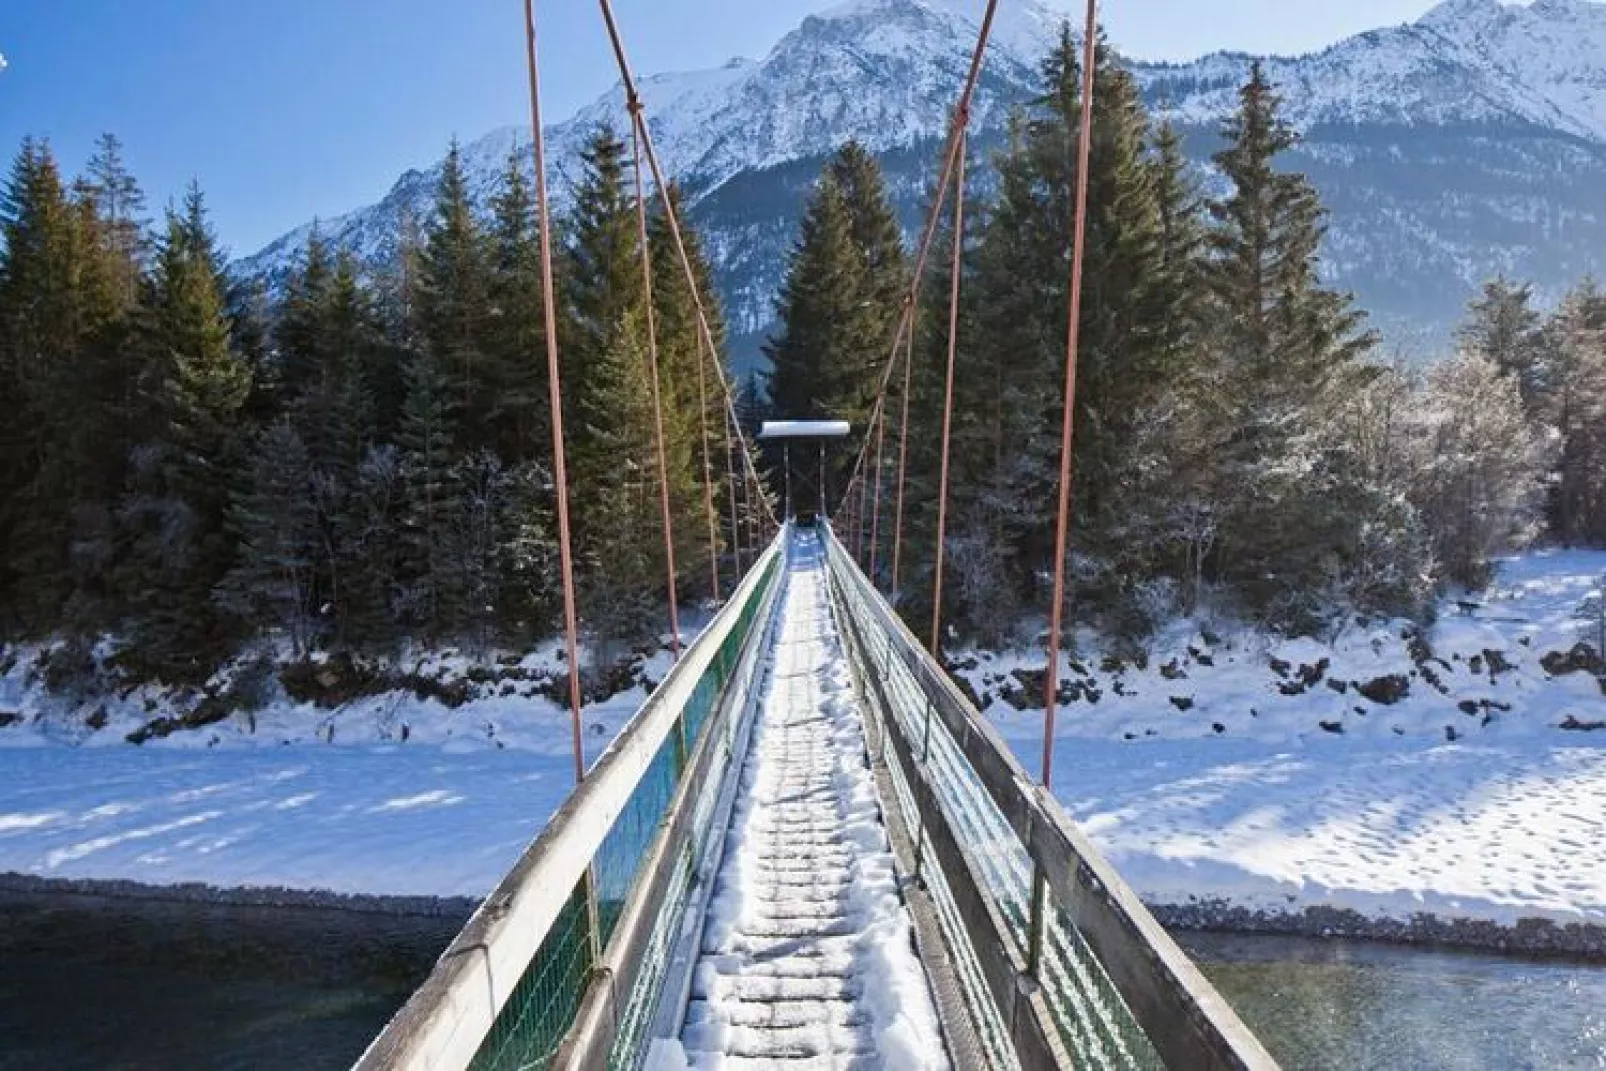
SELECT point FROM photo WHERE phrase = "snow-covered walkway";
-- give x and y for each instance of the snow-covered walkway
(807, 955)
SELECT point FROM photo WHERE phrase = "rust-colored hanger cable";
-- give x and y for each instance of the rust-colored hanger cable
(1068, 421)
(560, 477)
(961, 120)
(636, 123)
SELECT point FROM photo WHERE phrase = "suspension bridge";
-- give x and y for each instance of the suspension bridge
(808, 849)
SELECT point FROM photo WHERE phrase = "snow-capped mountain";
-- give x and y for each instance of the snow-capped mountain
(1468, 143)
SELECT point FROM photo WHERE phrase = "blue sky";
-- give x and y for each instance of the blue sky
(290, 109)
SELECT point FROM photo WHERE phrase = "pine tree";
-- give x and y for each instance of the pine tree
(694, 402)
(174, 515)
(333, 413)
(272, 586)
(60, 330)
(622, 566)
(119, 205)
(1573, 402)
(821, 366)
(298, 347)
(602, 275)
(1283, 351)
(516, 339)
(454, 304)
(1503, 327)
(427, 599)
(879, 239)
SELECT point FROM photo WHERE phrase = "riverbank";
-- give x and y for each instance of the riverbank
(1494, 846)
(27, 886)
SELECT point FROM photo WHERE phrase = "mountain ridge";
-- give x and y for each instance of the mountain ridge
(1478, 100)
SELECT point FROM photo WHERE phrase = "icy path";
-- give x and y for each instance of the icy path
(807, 957)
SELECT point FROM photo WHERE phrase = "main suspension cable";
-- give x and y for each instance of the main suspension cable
(950, 159)
(560, 475)
(671, 218)
(1068, 421)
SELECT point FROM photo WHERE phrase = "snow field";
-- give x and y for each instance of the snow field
(1506, 822)
(396, 821)
(807, 952)
(1235, 682)
(1389, 829)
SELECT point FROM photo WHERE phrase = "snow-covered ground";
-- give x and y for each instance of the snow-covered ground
(1494, 830)
(405, 820)
(1479, 672)
(1388, 816)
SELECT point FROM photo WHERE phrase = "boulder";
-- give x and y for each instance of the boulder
(1386, 690)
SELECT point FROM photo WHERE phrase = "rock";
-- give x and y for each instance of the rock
(1450, 734)
(9, 718)
(1337, 685)
(1435, 682)
(1386, 690)
(1572, 723)
(1218, 727)
(208, 711)
(1417, 646)
(1279, 667)
(1497, 663)
(1200, 657)
(1182, 702)
(1468, 707)
(1172, 671)
(1581, 659)
(1475, 664)
(1332, 727)
(97, 720)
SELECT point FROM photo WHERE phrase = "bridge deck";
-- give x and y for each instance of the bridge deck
(807, 958)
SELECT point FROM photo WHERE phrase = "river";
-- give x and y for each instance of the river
(1358, 1005)
(89, 984)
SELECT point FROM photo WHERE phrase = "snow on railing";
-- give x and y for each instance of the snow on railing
(564, 960)
(1058, 962)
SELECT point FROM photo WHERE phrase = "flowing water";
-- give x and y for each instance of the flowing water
(1355, 1005)
(89, 984)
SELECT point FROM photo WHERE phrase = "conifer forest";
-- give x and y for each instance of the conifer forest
(363, 460)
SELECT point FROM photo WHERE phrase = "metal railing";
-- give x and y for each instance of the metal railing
(1059, 964)
(564, 963)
